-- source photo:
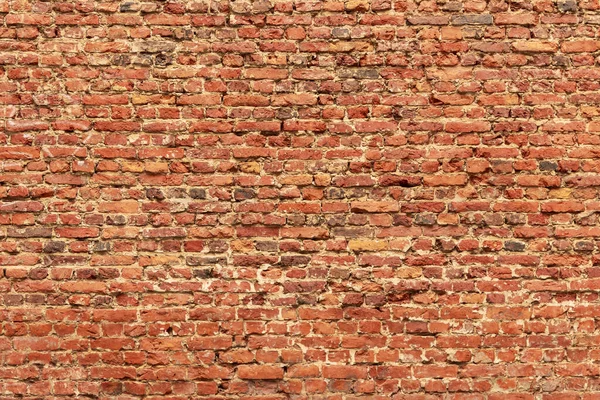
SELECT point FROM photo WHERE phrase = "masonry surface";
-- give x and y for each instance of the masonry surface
(299, 199)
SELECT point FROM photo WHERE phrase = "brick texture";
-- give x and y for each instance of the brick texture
(289, 199)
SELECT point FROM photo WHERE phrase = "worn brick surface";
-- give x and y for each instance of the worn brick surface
(286, 199)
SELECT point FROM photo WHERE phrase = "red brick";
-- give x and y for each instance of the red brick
(18, 153)
(259, 372)
(77, 232)
(125, 206)
(279, 199)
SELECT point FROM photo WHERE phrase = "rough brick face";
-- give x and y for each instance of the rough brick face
(285, 199)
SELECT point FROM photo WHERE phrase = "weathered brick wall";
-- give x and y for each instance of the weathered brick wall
(281, 199)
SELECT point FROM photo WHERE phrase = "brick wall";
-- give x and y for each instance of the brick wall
(281, 199)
